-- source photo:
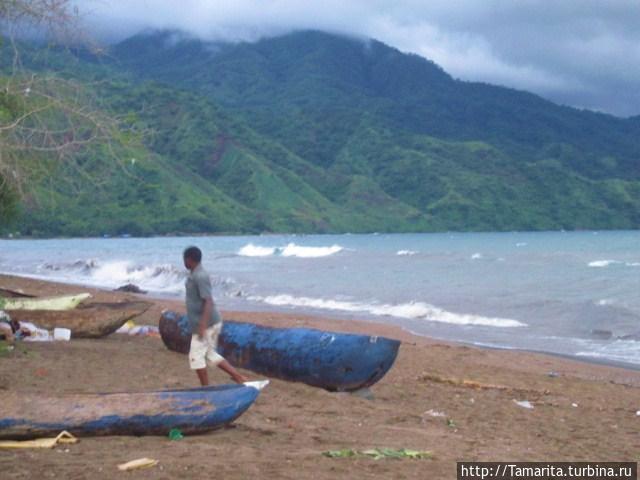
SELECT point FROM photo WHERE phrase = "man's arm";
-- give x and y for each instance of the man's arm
(204, 290)
(206, 315)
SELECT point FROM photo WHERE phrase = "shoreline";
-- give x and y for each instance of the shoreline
(351, 318)
(274, 234)
(280, 318)
(454, 400)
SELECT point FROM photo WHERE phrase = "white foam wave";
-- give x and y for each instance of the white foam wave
(289, 250)
(159, 278)
(632, 264)
(406, 252)
(627, 351)
(251, 250)
(412, 310)
(476, 256)
(602, 263)
(604, 302)
(162, 278)
(293, 250)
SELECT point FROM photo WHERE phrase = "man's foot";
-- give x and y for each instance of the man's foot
(239, 378)
(232, 372)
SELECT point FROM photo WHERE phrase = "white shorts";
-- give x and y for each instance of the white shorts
(203, 351)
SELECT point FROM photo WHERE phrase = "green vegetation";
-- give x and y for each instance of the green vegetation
(379, 453)
(312, 132)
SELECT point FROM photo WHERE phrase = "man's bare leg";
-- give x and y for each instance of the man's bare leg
(203, 376)
(233, 373)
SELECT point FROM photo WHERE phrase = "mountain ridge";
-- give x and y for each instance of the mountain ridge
(314, 132)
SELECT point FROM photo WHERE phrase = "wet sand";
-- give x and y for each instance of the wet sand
(284, 434)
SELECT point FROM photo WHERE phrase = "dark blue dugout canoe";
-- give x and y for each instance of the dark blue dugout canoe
(192, 411)
(333, 361)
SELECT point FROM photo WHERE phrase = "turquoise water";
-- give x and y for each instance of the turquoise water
(569, 293)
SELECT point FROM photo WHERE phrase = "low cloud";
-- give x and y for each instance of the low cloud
(584, 53)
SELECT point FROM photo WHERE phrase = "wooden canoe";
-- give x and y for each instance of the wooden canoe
(198, 410)
(94, 320)
(6, 292)
(329, 360)
(62, 302)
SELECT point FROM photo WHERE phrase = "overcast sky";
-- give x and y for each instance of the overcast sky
(584, 53)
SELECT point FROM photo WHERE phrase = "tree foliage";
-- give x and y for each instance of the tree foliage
(47, 121)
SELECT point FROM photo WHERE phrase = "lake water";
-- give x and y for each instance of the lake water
(568, 293)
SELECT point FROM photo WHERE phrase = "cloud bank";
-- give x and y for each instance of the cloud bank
(584, 53)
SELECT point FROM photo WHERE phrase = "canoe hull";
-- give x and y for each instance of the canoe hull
(64, 302)
(8, 293)
(95, 320)
(333, 361)
(192, 411)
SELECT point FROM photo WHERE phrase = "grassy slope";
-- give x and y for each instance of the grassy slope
(314, 132)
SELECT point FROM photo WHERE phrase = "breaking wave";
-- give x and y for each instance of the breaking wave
(251, 250)
(606, 263)
(289, 250)
(602, 263)
(412, 310)
(162, 278)
(406, 252)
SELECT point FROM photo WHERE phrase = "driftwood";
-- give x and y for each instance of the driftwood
(474, 385)
(93, 320)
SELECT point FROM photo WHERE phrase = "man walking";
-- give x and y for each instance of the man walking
(206, 322)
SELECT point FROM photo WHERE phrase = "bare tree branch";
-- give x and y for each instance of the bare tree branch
(47, 122)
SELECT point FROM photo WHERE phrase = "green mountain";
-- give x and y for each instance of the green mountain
(312, 132)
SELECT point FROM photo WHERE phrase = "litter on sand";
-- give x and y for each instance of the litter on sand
(379, 453)
(175, 434)
(472, 384)
(257, 384)
(138, 464)
(524, 404)
(130, 328)
(433, 413)
(63, 437)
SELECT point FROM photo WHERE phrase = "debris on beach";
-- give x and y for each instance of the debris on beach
(524, 404)
(175, 434)
(465, 383)
(130, 288)
(63, 438)
(257, 384)
(137, 464)
(434, 413)
(130, 328)
(27, 331)
(379, 453)
(344, 453)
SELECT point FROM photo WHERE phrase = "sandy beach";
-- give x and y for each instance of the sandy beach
(582, 411)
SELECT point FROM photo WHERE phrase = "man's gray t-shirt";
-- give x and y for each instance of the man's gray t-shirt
(198, 287)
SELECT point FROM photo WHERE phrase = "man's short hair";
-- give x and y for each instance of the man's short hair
(194, 253)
